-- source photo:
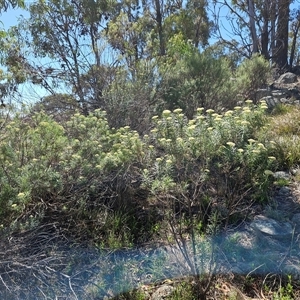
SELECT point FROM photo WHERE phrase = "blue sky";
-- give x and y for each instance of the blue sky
(29, 92)
(10, 18)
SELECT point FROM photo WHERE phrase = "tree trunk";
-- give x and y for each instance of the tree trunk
(160, 28)
(265, 40)
(281, 54)
(295, 30)
(273, 29)
(252, 26)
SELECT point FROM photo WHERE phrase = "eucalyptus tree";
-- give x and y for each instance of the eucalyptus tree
(81, 47)
(256, 26)
(61, 41)
(5, 4)
(7, 85)
(150, 36)
(294, 34)
(128, 32)
(191, 19)
(143, 28)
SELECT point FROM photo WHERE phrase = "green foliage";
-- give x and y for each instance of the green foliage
(285, 292)
(29, 154)
(179, 48)
(130, 100)
(133, 295)
(191, 22)
(251, 75)
(59, 106)
(117, 189)
(94, 173)
(12, 60)
(211, 156)
(184, 290)
(84, 171)
(134, 82)
(128, 34)
(5, 4)
(44, 162)
(118, 230)
(197, 80)
(281, 109)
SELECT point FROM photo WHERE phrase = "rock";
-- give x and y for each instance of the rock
(286, 89)
(267, 226)
(295, 171)
(278, 94)
(293, 93)
(284, 192)
(287, 78)
(262, 93)
(282, 175)
(162, 292)
(243, 238)
(276, 97)
(271, 101)
(296, 70)
(293, 270)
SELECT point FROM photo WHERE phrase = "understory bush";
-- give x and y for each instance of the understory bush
(204, 80)
(76, 172)
(130, 101)
(251, 75)
(198, 79)
(209, 163)
(114, 184)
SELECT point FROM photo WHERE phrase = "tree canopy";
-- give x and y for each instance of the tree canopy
(81, 47)
(5, 4)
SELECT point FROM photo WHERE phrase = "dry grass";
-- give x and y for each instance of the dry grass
(284, 131)
(287, 122)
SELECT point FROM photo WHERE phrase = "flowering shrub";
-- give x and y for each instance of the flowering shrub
(211, 156)
(29, 152)
(84, 172)
(48, 168)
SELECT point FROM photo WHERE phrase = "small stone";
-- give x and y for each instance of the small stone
(270, 227)
(281, 175)
(295, 171)
(162, 292)
(287, 78)
(271, 101)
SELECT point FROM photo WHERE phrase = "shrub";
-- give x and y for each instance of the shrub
(75, 173)
(29, 153)
(107, 180)
(197, 80)
(130, 99)
(212, 157)
(251, 75)
(205, 172)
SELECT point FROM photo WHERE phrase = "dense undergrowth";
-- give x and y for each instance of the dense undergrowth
(90, 174)
(170, 157)
(185, 178)
(113, 188)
